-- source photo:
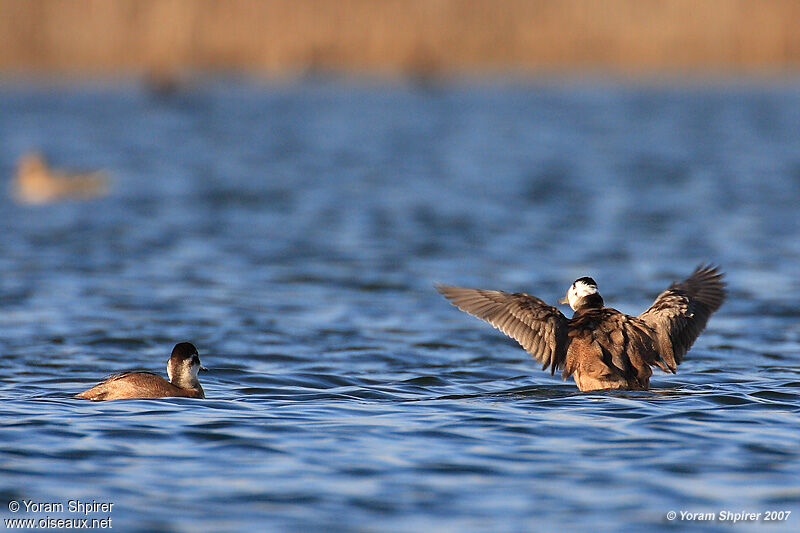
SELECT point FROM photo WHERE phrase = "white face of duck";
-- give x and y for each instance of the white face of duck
(179, 369)
(581, 288)
(196, 367)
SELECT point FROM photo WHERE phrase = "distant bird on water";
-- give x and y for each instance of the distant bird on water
(37, 183)
(600, 347)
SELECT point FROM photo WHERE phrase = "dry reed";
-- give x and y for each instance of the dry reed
(279, 36)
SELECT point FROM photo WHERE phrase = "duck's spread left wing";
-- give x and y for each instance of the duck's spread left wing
(539, 328)
(681, 312)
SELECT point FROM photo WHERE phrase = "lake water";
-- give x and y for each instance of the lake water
(293, 232)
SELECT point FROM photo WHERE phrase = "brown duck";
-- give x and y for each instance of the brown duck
(600, 347)
(182, 369)
(37, 183)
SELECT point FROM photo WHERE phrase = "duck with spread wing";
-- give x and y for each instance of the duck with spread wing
(600, 347)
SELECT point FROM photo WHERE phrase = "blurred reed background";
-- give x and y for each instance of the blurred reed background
(399, 36)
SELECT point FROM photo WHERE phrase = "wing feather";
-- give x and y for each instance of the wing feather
(539, 328)
(681, 312)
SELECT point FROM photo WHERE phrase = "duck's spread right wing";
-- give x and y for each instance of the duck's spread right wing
(680, 313)
(539, 328)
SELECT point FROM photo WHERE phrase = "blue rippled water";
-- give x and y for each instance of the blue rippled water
(293, 233)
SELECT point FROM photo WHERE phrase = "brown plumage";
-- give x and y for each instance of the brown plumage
(182, 369)
(37, 183)
(600, 347)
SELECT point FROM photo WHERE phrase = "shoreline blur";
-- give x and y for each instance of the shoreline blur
(407, 37)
